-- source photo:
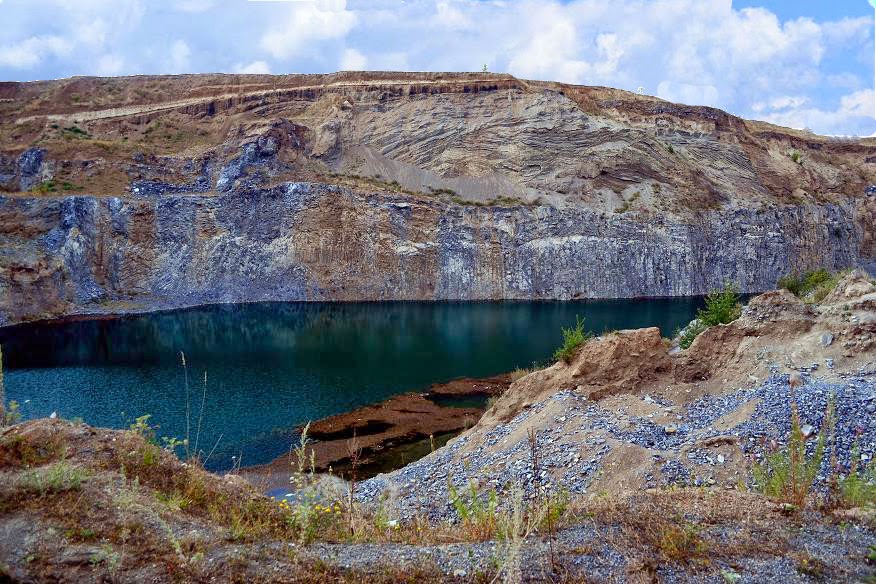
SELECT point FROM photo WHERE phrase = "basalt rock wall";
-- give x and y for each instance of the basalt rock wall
(306, 241)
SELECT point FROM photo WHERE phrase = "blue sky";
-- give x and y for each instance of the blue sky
(802, 64)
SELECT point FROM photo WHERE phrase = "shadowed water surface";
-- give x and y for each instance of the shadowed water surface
(272, 366)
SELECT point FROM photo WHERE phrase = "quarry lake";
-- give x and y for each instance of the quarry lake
(272, 366)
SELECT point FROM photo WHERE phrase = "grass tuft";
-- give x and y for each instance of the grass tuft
(858, 487)
(477, 513)
(57, 478)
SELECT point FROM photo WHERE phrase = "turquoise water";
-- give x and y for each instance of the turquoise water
(273, 366)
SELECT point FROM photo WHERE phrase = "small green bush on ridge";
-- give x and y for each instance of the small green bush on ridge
(722, 307)
(573, 338)
(811, 286)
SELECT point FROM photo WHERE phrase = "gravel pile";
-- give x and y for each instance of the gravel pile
(573, 445)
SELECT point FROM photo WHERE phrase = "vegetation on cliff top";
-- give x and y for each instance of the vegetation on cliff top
(573, 338)
(722, 307)
(813, 286)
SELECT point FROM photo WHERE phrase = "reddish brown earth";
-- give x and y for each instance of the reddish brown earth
(377, 428)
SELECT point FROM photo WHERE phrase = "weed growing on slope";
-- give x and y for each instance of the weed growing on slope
(309, 514)
(573, 338)
(787, 475)
(690, 332)
(858, 487)
(45, 187)
(477, 513)
(56, 478)
(680, 541)
(521, 372)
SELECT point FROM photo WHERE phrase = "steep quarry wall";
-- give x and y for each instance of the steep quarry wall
(143, 193)
(308, 241)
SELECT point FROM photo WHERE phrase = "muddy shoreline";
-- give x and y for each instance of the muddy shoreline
(389, 433)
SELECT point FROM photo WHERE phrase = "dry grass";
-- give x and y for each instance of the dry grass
(521, 372)
(140, 507)
(689, 527)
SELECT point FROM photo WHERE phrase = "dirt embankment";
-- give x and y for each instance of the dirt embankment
(629, 412)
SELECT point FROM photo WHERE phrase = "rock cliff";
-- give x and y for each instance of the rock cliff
(153, 192)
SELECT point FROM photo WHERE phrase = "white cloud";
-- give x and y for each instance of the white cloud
(195, 5)
(688, 93)
(30, 52)
(353, 60)
(307, 23)
(553, 49)
(450, 16)
(179, 57)
(854, 116)
(93, 32)
(783, 102)
(256, 67)
(110, 65)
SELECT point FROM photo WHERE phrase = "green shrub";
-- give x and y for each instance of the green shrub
(691, 332)
(61, 476)
(11, 415)
(573, 338)
(45, 187)
(811, 286)
(144, 429)
(722, 307)
(796, 156)
(787, 475)
(77, 132)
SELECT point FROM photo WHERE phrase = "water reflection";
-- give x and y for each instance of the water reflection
(271, 366)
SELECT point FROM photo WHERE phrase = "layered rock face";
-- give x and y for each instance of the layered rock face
(170, 191)
(305, 241)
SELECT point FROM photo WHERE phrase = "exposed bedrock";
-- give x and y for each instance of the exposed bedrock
(304, 241)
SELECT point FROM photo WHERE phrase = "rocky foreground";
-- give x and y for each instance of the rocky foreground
(631, 412)
(630, 463)
(121, 195)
